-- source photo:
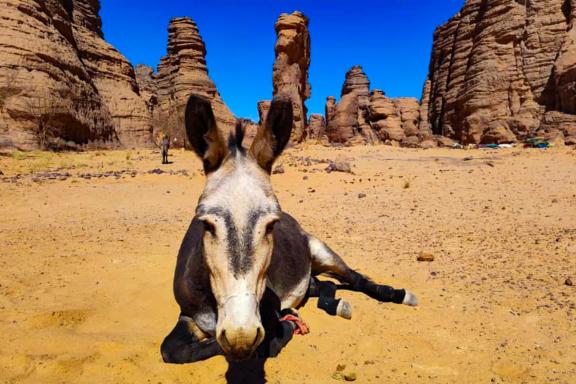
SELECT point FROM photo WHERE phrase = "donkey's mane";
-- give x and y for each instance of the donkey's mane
(236, 138)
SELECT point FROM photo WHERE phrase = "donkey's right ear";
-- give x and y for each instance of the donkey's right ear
(203, 133)
(274, 134)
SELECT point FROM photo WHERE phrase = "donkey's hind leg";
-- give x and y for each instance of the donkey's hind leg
(182, 346)
(325, 291)
(326, 261)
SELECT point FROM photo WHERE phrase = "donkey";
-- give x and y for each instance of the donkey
(241, 253)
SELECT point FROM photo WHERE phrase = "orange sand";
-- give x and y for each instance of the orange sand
(86, 267)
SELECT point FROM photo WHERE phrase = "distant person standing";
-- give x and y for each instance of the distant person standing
(165, 145)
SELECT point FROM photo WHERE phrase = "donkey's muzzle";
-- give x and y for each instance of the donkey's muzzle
(240, 330)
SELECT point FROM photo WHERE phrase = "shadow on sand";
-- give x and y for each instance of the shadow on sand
(246, 372)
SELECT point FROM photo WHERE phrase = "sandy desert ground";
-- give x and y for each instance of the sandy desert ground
(86, 265)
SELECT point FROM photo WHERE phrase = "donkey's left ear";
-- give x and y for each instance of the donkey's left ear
(203, 133)
(274, 134)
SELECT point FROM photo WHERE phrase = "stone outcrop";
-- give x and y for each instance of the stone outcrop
(146, 80)
(290, 76)
(183, 72)
(347, 121)
(316, 129)
(365, 117)
(503, 70)
(263, 108)
(394, 120)
(330, 108)
(61, 84)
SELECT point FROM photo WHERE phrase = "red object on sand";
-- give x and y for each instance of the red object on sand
(301, 327)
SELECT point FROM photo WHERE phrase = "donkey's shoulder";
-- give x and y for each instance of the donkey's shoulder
(289, 227)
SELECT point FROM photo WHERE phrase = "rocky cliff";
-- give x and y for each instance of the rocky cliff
(61, 84)
(290, 76)
(112, 75)
(181, 73)
(502, 70)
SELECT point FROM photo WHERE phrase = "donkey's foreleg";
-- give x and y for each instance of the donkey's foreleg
(326, 261)
(182, 346)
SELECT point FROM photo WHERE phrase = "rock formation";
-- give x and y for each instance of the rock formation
(347, 121)
(502, 70)
(330, 108)
(61, 84)
(290, 75)
(181, 73)
(113, 76)
(364, 117)
(263, 108)
(316, 129)
(46, 92)
(146, 80)
(395, 120)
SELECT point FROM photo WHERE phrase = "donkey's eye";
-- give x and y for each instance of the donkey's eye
(270, 227)
(210, 228)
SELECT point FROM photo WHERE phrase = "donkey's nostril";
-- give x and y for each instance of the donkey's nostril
(258, 338)
(224, 343)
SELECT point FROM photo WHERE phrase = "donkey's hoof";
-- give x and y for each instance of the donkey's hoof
(410, 299)
(344, 310)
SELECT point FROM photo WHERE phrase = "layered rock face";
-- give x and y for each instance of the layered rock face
(113, 76)
(183, 72)
(61, 84)
(502, 70)
(46, 91)
(290, 76)
(364, 117)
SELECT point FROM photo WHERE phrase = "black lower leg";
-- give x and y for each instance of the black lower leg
(328, 305)
(383, 293)
(319, 288)
(181, 347)
(326, 293)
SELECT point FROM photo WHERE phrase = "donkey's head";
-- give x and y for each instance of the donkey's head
(238, 209)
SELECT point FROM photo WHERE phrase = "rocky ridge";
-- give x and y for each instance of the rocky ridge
(500, 71)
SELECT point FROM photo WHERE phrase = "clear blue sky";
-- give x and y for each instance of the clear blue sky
(391, 39)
